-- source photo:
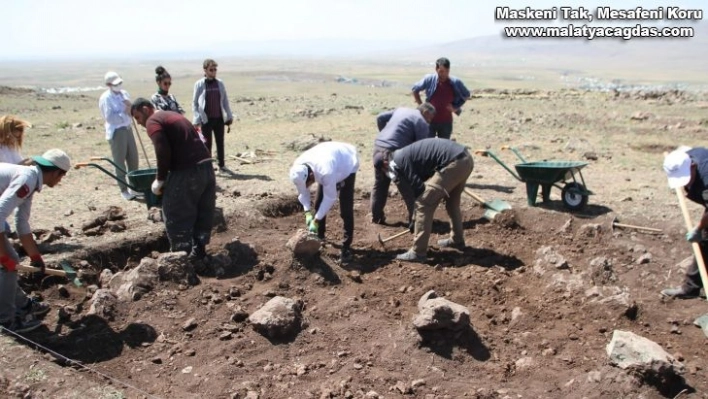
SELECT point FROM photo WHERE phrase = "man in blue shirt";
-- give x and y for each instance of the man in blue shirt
(446, 93)
(397, 129)
(688, 168)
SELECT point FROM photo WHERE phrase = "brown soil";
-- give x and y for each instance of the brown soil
(359, 336)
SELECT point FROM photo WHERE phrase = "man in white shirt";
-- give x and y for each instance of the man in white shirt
(333, 166)
(115, 109)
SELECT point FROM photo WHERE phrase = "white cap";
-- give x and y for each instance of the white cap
(54, 157)
(677, 166)
(112, 78)
(298, 175)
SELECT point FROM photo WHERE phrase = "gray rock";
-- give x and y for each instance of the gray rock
(133, 284)
(278, 318)
(103, 304)
(620, 305)
(176, 267)
(645, 258)
(104, 279)
(590, 230)
(303, 244)
(155, 215)
(304, 143)
(629, 351)
(601, 271)
(439, 313)
(190, 324)
(702, 322)
(547, 258)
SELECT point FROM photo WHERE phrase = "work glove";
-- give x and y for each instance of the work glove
(313, 226)
(308, 218)
(37, 261)
(695, 235)
(157, 187)
(8, 263)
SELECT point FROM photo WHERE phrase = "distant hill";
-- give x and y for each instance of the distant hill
(653, 60)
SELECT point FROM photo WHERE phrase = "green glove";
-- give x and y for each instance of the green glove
(308, 218)
(695, 235)
(313, 226)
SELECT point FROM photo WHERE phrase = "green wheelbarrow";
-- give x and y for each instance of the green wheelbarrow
(139, 180)
(547, 174)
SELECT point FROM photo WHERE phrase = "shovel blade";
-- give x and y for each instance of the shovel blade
(490, 214)
(498, 205)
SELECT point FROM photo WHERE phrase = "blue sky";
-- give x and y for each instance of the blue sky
(51, 28)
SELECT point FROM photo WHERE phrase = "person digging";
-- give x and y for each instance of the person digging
(435, 169)
(185, 177)
(688, 168)
(18, 184)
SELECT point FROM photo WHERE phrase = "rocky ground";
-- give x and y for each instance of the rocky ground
(535, 301)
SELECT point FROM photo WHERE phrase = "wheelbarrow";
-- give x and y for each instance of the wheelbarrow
(547, 174)
(139, 180)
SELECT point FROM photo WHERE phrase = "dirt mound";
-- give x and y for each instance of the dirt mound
(279, 206)
(7, 90)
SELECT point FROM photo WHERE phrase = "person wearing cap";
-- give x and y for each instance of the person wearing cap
(18, 184)
(434, 169)
(12, 130)
(189, 189)
(688, 168)
(447, 94)
(333, 165)
(210, 103)
(397, 129)
(114, 104)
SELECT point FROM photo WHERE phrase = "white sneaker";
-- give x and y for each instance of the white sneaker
(127, 195)
(137, 194)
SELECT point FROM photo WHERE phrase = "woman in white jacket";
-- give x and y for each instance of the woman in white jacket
(211, 109)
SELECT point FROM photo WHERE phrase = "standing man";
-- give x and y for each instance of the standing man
(114, 104)
(435, 170)
(333, 166)
(447, 94)
(397, 129)
(209, 104)
(189, 190)
(18, 185)
(688, 168)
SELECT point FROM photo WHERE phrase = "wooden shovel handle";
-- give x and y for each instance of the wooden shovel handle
(696, 248)
(48, 271)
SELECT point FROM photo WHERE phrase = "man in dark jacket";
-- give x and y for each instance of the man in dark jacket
(688, 168)
(434, 169)
(397, 129)
(189, 190)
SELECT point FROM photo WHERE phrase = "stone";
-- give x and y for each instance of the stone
(629, 351)
(440, 313)
(190, 324)
(644, 259)
(303, 244)
(239, 315)
(103, 304)
(105, 277)
(278, 318)
(601, 271)
(524, 363)
(133, 284)
(620, 305)
(177, 268)
(547, 258)
(155, 215)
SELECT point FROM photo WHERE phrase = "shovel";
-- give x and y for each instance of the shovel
(493, 208)
(67, 271)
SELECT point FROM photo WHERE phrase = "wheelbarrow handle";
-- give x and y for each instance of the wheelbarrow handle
(109, 160)
(482, 153)
(80, 165)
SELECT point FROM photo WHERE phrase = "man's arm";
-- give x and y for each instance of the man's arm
(163, 151)
(329, 195)
(383, 118)
(461, 97)
(420, 85)
(196, 120)
(421, 128)
(225, 104)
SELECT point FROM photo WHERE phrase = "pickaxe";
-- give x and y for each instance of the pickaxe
(67, 271)
(383, 241)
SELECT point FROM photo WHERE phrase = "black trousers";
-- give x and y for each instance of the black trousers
(215, 125)
(188, 203)
(441, 130)
(346, 209)
(379, 194)
(692, 280)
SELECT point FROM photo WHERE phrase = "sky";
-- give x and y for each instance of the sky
(48, 29)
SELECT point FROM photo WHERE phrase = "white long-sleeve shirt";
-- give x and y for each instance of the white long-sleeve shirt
(18, 185)
(331, 162)
(112, 106)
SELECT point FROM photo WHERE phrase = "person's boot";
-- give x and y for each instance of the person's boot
(411, 256)
(449, 243)
(345, 256)
(198, 252)
(681, 292)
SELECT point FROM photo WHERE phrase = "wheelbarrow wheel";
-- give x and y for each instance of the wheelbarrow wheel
(572, 197)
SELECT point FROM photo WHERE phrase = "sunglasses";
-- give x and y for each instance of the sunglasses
(166, 83)
(212, 70)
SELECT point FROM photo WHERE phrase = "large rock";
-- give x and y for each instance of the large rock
(105, 278)
(103, 304)
(278, 318)
(176, 267)
(303, 244)
(632, 352)
(133, 284)
(702, 322)
(439, 313)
